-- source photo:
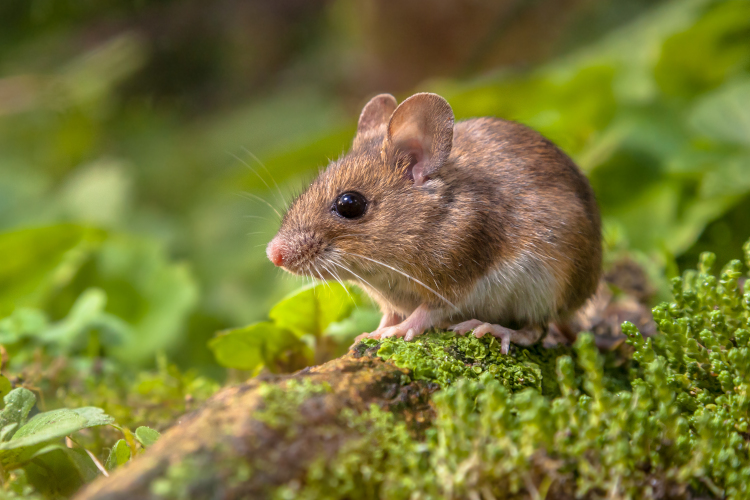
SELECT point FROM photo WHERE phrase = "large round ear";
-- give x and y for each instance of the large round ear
(420, 132)
(376, 113)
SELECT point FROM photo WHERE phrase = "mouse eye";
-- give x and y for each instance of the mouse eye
(350, 205)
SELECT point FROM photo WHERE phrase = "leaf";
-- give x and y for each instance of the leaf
(24, 322)
(7, 431)
(5, 386)
(58, 470)
(18, 404)
(252, 346)
(706, 54)
(35, 261)
(724, 115)
(145, 289)
(146, 436)
(46, 427)
(311, 309)
(362, 319)
(94, 416)
(87, 313)
(118, 455)
(56, 424)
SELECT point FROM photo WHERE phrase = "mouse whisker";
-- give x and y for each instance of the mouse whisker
(255, 171)
(342, 266)
(283, 200)
(406, 275)
(325, 282)
(332, 272)
(256, 197)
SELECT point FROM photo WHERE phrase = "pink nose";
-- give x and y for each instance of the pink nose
(275, 251)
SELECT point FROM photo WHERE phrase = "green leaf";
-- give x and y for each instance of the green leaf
(18, 404)
(35, 261)
(724, 115)
(311, 309)
(58, 470)
(252, 346)
(7, 431)
(146, 436)
(46, 427)
(119, 455)
(86, 314)
(5, 386)
(24, 322)
(56, 424)
(145, 289)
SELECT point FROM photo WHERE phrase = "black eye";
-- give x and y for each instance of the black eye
(350, 205)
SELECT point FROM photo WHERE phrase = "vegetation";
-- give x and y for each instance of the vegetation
(664, 418)
(123, 248)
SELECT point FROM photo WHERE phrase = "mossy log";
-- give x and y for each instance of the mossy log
(222, 436)
(250, 440)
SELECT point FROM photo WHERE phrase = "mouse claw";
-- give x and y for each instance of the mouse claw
(389, 332)
(410, 334)
(465, 327)
(525, 336)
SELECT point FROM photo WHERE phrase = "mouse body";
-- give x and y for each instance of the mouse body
(481, 225)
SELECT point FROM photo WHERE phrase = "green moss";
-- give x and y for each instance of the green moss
(379, 460)
(281, 404)
(446, 357)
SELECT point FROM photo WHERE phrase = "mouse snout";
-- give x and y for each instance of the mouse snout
(294, 252)
(276, 251)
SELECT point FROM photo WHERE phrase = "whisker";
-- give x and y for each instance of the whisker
(283, 200)
(252, 169)
(337, 278)
(403, 274)
(325, 282)
(255, 196)
(342, 266)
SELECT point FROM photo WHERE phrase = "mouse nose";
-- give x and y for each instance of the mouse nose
(275, 251)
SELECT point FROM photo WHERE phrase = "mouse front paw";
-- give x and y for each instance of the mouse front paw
(400, 330)
(416, 324)
(390, 331)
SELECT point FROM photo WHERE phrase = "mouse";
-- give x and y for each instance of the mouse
(478, 226)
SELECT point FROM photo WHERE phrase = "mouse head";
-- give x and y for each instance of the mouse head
(373, 206)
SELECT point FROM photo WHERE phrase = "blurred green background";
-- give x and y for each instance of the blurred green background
(130, 220)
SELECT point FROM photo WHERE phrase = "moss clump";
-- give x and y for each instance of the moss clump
(446, 357)
(281, 404)
(679, 430)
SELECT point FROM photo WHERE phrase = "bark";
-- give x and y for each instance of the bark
(224, 431)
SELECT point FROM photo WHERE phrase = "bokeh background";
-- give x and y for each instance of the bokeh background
(141, 142)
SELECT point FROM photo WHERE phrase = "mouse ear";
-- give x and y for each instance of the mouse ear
(375, 113)
(421, 130)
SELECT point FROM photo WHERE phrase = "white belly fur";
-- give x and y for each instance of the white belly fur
(522, 290)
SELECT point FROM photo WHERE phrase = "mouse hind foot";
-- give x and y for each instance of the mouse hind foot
(524, 336)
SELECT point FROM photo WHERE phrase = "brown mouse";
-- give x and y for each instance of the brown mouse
(479, 225)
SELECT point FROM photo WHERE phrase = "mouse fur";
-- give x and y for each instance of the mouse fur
(489, 220)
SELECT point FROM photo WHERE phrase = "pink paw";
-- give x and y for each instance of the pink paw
(466, 326)
(525, 336)
(399, 330)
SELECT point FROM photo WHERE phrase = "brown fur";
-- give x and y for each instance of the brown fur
(494, 192)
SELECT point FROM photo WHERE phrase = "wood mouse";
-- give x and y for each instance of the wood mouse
(481, 225)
